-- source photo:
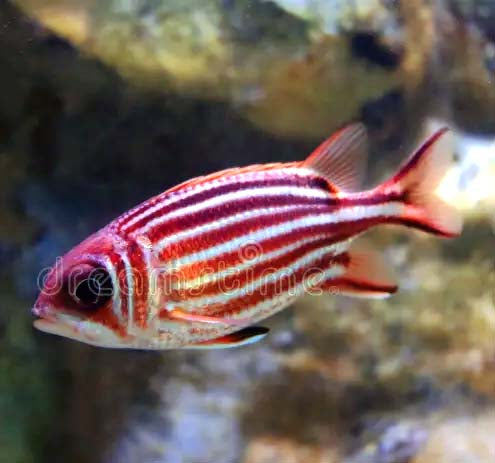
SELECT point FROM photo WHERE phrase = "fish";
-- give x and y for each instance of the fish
(201, 264)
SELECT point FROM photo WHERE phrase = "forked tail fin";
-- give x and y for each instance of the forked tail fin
(416, 182)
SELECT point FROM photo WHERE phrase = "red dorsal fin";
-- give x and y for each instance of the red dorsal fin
(341, 159)
(246, 336)
(366, 275)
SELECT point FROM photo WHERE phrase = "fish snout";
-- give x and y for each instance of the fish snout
(38, 310)
(41, 310)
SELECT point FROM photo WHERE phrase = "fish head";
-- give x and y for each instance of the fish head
(79, 294)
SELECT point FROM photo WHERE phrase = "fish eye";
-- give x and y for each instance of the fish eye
(90, 287)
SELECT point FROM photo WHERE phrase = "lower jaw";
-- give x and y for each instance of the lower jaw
(51, 326)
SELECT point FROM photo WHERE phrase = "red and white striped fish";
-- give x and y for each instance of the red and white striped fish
(199, 264)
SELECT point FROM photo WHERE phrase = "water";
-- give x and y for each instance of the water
(107, 103)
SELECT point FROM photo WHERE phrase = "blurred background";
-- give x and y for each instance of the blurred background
(104, 103)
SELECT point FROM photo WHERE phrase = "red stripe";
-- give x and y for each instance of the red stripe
(227, 233)
(419, 224)
(417, 157)
(120, 269)
(212, 214)
(209, 215)
(105, 315)
(241, 279)
(141, 284)
(202, 195)
(370, 198)
(107, 318)
(357, 286)
(270, 290)
(334, 232)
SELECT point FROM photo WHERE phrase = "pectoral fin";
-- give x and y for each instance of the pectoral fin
(244, 337)
(179, 314)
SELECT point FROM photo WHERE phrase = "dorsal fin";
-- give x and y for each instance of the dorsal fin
(341, 159)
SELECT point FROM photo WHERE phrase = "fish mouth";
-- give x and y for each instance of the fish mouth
(53, 322)
(45, 317)
(73, 326)
(45, 324)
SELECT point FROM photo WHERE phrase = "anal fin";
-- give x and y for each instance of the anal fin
(244, 337)
(366, 275)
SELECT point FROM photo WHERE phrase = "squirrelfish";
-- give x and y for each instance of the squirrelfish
(200, 264)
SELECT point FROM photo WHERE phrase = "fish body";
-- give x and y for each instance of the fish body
(199, 264)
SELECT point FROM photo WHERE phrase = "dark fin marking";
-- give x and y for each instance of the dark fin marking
(341, 159)
(366, 275)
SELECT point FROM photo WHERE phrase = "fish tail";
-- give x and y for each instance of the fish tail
(416, 182)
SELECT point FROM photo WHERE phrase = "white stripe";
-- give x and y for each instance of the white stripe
(336, 248)
(169, 199)
(269, 306)
(289, 296)
(347, 214)
(252, 286)
(130, 289)
(233, 219)
(152, 306)
(218, 201)
(116, 300)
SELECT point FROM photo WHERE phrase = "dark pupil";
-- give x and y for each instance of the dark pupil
(94, 289)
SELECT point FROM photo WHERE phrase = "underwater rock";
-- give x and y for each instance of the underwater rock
(276, 450)
(480, 13)
(469, 183)
(413, 436)
(330, 15)
(197, 410)
(280, 62)
(465, 65)
(390, 441)
(465, 439)
(276, 68)
(80, 144)
(423, 332)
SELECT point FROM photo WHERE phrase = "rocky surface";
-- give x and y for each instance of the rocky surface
(277, 67)
(473, 441)
(87, 131)
(466, 69)
(280, 62)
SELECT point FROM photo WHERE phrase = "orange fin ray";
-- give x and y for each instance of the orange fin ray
(244, 337)
(341, 159)
(179, 314)
(366, 275)
(417, 181)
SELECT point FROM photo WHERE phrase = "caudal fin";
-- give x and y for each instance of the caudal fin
(417, 181)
